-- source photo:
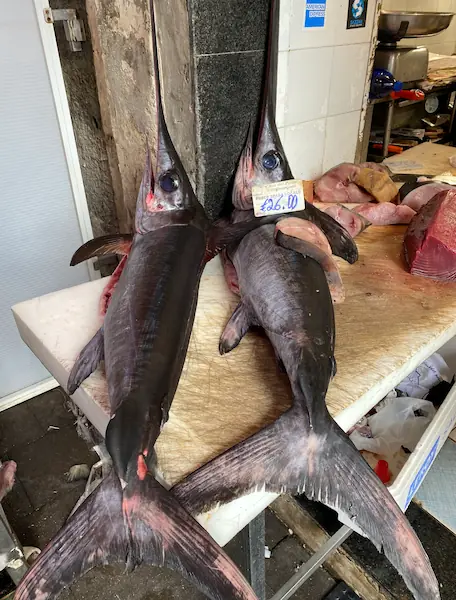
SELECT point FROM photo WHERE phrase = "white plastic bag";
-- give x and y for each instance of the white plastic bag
(396, 425)
(425, 377)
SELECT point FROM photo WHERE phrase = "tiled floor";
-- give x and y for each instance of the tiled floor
(40, 436)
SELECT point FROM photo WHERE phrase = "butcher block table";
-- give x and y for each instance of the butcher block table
(389, 323)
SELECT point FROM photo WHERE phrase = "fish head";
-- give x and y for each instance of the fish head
(267, 164)
(166, 195)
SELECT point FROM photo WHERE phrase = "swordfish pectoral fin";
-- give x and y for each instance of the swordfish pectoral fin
(290, 457)
(88, 360)
(223, 233)
(326, 261)
(341, 242)
(84, 542)
(235, 330)
(103, 246)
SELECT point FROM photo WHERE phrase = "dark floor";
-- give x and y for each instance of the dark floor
(40, 436)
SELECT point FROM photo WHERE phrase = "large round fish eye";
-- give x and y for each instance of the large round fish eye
(169, 182)
(271, 160)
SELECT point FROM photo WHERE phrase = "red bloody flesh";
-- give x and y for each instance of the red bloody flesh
(430, 241)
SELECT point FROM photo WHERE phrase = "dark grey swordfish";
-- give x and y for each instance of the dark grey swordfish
(304, 451)
(130, 518)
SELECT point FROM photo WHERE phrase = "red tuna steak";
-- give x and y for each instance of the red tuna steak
(430, 241)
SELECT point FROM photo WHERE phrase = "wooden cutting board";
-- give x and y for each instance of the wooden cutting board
(427, 158)
(389, 323)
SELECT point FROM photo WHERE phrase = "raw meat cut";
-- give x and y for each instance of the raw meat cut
(349, 219)
(386, 213)
(417, 195)
(337, 186)
(430, 241)
(349, 183)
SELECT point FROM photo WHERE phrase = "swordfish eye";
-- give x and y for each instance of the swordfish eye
(169, 182)
(271, 160)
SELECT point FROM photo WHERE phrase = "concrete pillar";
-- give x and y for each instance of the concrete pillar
(212, 61)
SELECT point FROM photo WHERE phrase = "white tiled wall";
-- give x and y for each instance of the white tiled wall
(321, 86)
(443, 43)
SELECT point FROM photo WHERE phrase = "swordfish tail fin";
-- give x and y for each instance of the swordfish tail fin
(143, 523)
(290, 456)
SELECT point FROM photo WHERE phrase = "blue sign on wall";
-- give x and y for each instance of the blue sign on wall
(422, 472)
(315, 14)
(357, 13)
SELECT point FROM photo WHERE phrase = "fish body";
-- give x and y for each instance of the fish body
(130, 518)
(283, 289)
(304, 451)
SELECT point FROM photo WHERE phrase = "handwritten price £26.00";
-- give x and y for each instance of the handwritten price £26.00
(280, 204)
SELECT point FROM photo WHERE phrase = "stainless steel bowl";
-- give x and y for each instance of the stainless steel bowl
(395, 25)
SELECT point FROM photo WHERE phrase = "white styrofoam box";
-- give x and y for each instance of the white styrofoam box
(305, 37)
(448, 353)
(284, 26)
(361, 35)
(304, 145)
(282, 81)
(348, 78)
(341, 139)
(415, 469)
(308, 82)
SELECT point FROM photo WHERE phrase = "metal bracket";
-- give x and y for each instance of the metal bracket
(74, 27)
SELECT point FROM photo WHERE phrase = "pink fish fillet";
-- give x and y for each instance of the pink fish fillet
(336, 186)
(386, 213)
(423, 193)
(318, 248)
(350, 220)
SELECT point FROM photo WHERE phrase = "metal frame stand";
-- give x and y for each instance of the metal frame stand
(11, 554)
(253, 541)
(253, 544)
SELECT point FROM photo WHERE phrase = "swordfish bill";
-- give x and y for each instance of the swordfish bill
(130, 518)
(284, 290)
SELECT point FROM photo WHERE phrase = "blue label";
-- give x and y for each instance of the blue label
(422, 473)
(315, 14)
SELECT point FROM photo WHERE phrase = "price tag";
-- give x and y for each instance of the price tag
(278, 198)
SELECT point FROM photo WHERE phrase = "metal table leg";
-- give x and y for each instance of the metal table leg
(309, 568)
(388, 127)
(253, 540)
(11, 556)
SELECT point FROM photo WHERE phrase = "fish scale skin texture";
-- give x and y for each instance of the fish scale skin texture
(430, 240)
(304, 451)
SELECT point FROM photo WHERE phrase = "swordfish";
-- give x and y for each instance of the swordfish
(285, 291)
(130, 518)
